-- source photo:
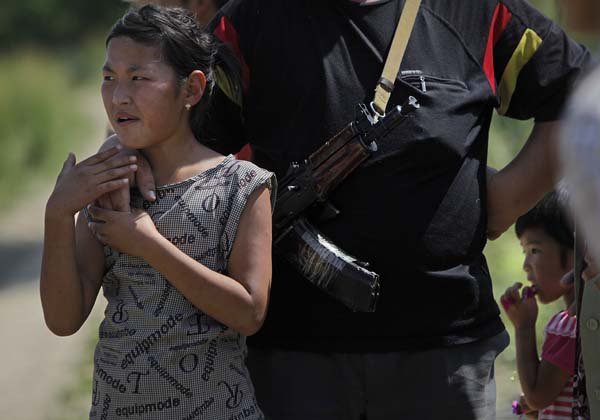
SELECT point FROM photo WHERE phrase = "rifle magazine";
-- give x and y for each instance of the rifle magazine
(325, 265)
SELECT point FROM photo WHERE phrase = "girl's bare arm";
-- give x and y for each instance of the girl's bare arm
(73, 260)
(72, 270)
(541, 381)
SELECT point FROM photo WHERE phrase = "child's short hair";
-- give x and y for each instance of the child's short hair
(550, 214)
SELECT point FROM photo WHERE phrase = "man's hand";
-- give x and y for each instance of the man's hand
(119, 199)
(521, 309)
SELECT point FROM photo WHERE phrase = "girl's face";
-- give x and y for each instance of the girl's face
(543, 264)
(142, 97)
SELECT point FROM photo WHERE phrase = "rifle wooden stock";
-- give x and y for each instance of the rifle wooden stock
(310, 181)
(331, 167)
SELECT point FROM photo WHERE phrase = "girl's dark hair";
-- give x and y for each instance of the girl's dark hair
(184, 47)
(550, 215)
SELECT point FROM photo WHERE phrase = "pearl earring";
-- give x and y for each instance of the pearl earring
(188, 107)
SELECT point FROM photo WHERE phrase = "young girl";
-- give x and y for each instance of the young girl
(546, 237)
(186, 277)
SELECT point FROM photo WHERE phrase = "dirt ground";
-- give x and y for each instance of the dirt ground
(35, 365)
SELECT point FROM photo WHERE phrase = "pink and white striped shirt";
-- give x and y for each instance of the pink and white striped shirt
(559, 349)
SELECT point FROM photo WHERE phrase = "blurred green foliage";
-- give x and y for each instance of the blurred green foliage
(37, 112)
(54, 22)
(51, 54)
(48, 107)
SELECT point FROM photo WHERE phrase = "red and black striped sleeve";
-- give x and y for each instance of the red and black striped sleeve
(530, 62)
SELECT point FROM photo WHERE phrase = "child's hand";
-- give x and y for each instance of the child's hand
(127, 232)
(522, 408)
(522, 310)
(82, 183)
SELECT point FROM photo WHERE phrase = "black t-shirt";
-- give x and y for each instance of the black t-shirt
(415, 210)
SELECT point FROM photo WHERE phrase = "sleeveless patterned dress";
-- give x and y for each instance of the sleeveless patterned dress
(158, 356)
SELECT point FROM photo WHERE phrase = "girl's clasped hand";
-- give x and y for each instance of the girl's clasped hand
(80, 184)
(123, 231)
(520, 305)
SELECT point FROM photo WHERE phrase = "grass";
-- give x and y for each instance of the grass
(43, 116)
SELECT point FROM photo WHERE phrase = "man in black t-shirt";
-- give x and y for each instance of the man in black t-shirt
(418, 210)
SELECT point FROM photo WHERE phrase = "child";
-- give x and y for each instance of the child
(547, 239)
(186, 277)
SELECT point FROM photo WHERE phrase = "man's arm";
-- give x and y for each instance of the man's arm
(534, 82)
(515, 189)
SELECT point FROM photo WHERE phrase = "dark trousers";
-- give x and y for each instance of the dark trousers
(445, 383)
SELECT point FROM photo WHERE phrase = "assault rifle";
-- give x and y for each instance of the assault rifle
(305, 188)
